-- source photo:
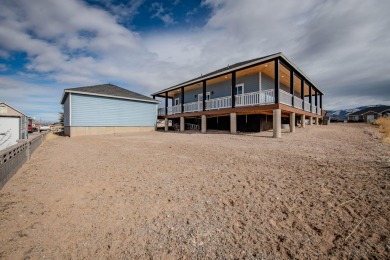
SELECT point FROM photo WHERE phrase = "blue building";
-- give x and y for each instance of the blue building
(107, 109)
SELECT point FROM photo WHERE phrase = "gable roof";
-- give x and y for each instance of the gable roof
(13, 108)
(237, 66)
(377, 109)
(108, 90)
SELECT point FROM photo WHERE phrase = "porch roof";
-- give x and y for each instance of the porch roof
(236, 67)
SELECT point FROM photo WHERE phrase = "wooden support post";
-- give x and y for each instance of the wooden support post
(277, 81)
(233, 90)
(182, 99)
(292, 86)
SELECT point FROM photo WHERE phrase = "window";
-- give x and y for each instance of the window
(200, 96)
(239, 89)
(177, 101)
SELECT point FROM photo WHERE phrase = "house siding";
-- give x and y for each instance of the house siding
(89, 110)
(66, 111)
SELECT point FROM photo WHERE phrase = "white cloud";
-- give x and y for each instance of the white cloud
(162, 13)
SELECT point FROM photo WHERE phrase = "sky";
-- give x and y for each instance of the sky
(145, 46)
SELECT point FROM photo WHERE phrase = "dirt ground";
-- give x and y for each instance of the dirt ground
(322, 192)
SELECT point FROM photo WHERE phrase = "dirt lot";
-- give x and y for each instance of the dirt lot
(322, 192)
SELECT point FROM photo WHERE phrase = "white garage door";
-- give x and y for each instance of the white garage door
(9, 131)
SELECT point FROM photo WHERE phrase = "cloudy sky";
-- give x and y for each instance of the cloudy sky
(142, 45)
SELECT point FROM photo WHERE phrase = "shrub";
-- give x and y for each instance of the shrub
(384, 127)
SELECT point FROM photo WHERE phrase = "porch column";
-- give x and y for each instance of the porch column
(303, 93)
(316, 100)
(317, 121)
(182, 99)
(233, 123)
(303, 121)
(154, 97)
(292, 87)
(166, 125)
(204, 95)
(204, 124)
(233, 90)
(292, 122)
(311, 110)
(182, 124)
(320, 100)
(310, 120)
(166, 103)
(277, 120)
(277, 81)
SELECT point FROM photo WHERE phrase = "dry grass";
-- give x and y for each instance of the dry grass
(384, 127)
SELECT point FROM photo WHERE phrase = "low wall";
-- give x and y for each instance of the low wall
(13, 157)
(73, 131)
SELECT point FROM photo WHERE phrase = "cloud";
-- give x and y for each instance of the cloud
(162, 13)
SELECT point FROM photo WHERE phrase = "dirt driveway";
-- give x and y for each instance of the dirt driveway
(322, 192)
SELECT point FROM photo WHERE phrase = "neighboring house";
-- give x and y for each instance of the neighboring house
(107, 109)
(369, 114)
(253, 95)
(13, 126)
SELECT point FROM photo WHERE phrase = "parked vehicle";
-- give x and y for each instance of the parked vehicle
(44, 128)
(30, 128)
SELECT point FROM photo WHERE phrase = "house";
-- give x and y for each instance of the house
(13, 126)
(107, 109)
(369, 114)
(253, 95)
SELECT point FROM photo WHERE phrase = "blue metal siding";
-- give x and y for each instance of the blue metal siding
(103, 111)
(67, 111)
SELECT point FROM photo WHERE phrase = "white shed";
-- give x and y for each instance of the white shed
(13, 126)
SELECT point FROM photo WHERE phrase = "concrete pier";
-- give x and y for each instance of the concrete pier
(233, 123)
(277, 123)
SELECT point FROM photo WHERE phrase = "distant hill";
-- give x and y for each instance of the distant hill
(342, 114)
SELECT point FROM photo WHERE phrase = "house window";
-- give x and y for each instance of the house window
(239, 89)
(177, 101)
(200, 96)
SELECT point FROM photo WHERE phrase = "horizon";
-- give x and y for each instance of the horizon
(146, 46)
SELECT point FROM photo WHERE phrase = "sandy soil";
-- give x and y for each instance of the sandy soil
(322, 192)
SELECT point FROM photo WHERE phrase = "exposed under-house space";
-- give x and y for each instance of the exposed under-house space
(250, 96)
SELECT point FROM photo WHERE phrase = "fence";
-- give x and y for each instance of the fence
(13, 157)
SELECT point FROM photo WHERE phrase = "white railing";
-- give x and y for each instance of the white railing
(255, 98)
(307, 106)
(248, 99)
(319, 111)
(298, 102)
(217, 103)
(285, 97)
(193, 106)
(267, 97)
(161, 111)
(176, 109)
(314, 109)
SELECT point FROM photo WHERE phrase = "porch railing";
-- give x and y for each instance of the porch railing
(217, 103)
(193, 106)
(307, 106)
(285, 97)
(298, 102)
(246, 99)
(319, 111)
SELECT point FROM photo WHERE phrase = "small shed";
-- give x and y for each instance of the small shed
(107, 109)
(13, 126)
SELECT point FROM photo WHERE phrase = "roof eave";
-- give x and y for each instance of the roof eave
(103, 95)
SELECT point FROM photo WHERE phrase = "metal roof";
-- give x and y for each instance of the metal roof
(107, 90)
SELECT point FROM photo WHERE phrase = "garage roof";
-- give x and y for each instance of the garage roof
(107, 90)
